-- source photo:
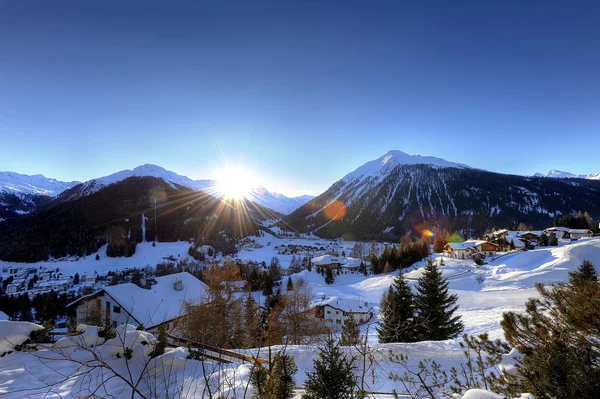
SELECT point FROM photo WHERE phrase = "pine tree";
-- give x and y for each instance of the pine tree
(350, 332)
(398, 311)
(333, 376)
(97, 257)
(275, 382)
(76, 279)
(553, 240)
(544, 241)
(436, 307)
(585, 272)
(329, 279)
(363, 268)
(290, 284)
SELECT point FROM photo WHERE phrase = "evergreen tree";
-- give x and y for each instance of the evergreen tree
(97, 257)
(276, 382)
(329, 279)
(333, 376)
(544, 241)
(436, 307)
(350, 332)
(363, 268)
(76, 279)
(290, 284)
(558, 338)
(398, 312)
(585, 272)
(552, 240)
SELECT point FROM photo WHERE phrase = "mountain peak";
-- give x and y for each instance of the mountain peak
(559, 174)
(382, 165)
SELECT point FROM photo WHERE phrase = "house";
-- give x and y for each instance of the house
(567, 233)
(533, 235)
(163, 304)
(351, 265)
(459, 250)
(559, 231)
(576, 234)
(12, 288)
(486, 248)
(328, 261)
(333, 311)
(466, 249)
(518, 244)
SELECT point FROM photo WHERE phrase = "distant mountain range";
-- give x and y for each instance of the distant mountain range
(386, 198)
(399, 193)
(21, 194)
(559, 174)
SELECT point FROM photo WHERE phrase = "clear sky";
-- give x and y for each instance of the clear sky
(299, 92)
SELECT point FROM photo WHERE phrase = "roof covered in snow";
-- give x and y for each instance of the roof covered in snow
(354, 305)
(160, 303)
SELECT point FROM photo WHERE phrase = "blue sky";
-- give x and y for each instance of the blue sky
(301, 93)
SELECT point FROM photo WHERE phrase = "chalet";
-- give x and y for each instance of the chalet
(559, 231)
(333, 311)
(576, 234)
(163, 304)
(328, 261)
(459, 250)
(567, 233)
(486, 248)
(466, 249)
(533, 235)
(351, 265)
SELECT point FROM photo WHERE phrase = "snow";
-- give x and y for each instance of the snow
(160, 303)
(384, 164)
(145, 255)
(13, 333)
(3, 316)
(481, 394)
(18, 183)
(559, 174)
(506, 284)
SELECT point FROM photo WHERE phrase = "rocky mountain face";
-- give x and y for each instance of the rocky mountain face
(393, 195)
(559, 174)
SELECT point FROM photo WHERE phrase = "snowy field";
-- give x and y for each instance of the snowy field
(484, 294)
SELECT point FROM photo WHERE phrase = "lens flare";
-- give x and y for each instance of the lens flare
(235, 183)
(427, 233)
(336, 210)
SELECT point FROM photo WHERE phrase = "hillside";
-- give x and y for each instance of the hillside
(122, 214)
(386, 199)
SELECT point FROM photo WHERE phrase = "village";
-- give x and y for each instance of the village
(156, 297)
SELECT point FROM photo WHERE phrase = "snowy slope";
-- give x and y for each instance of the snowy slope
(559, 174)
(274, 201)
(18, 183)
(278, 202)
(382, 165)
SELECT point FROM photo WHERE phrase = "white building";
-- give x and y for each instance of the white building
(163, 304)
(333, 311)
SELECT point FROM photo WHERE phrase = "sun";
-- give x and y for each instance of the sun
(235, 183)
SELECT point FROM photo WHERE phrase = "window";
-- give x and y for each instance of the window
(116, 309)
(338, 321)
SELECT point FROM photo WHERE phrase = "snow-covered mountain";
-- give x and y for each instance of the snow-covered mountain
(559, 174)
(21, 194)
(17, 183)
(381, 166)
(399, 193)
(24, 186)
(278, 202)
